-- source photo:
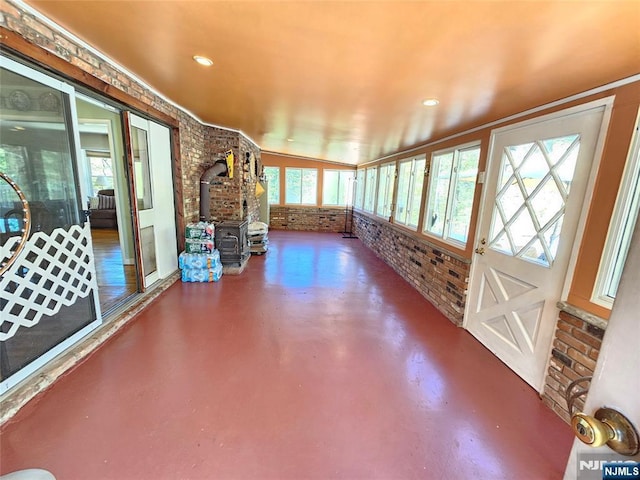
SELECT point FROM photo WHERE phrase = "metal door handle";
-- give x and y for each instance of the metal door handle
(480, 250)
(607, 426)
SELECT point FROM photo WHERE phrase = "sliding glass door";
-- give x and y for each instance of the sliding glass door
(48, 294)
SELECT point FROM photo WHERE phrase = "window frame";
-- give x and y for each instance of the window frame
(302, 171)
(348, 193)
(358, 201)
(623, 220)
(371, 190)
(385, 210)
(451, 188)
(269, 186)
(414, 176)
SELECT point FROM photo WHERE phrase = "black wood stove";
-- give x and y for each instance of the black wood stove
(232, 242)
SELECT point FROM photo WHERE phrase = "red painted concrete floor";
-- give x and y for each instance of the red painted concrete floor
(318, 362)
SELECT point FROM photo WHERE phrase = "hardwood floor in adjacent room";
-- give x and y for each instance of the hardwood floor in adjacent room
(116, 281)
(317, 362)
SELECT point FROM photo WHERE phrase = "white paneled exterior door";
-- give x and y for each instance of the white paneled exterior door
(535, 188)
(153, 196)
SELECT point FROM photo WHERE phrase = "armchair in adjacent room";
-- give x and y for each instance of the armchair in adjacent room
(103, 210)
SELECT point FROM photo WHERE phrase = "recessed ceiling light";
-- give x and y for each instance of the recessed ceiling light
(431, 102)
(289, 139)
(203, 60)
(17, 127)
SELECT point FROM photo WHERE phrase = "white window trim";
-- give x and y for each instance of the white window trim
(390, 184)
(361, 172)
(279, 181)
(412, 183)
(315, 203)
(454, 175)
(374, 189)
(625, 214)
(339, 171)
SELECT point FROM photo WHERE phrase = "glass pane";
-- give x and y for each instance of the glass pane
(511, 200)
(148, 245)
(385, 190)
(556, 148)
(522, 230)
(101, 172)
(345, 195)
(464, 190)
(272, 174)
(359, 200)
(535, 253)
(552, 237)
(438, 193)
(369, 197)
(547, 202)
(330, 187)
(416, 193)
(517, 153)
(37, 152)
(501, 244)
(141, 168)
(506, 175)
(293, 185)
(533, 170)
(404, 185)
(309, 186)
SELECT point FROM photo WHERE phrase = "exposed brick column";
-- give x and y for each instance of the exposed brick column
(575, 351)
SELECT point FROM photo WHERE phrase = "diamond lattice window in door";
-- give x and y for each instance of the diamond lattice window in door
(534, 183)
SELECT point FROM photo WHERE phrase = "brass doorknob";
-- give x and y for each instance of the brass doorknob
(480, 250)
(609, 427)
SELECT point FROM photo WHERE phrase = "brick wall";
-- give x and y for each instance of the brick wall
(576, 347)
(438, 275)
(251, 204)
(312, 219)
(225, 194)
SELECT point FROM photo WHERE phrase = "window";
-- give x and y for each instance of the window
(385, 190)
(410, 182)
(359, 200)
(370, 189)
(301, 186)
(624, 218)
(337, 187)
(100, 171)
(451, 189)
(272, 174)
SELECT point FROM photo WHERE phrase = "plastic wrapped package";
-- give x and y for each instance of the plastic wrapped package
(199, 260)
(199, 246)
(202, 275)
(258, 228)
(200, 231)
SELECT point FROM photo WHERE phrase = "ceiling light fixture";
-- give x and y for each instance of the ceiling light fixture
(203, 60)
(289, 139)
(431, 102)
(19, 128)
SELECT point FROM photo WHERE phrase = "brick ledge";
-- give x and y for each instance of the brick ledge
(590, 318)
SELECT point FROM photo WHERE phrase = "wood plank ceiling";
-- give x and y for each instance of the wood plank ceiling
(345, 80)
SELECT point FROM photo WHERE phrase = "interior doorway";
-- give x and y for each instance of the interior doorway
(105, 178)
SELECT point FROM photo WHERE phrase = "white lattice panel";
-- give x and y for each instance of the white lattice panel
(52, 271)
